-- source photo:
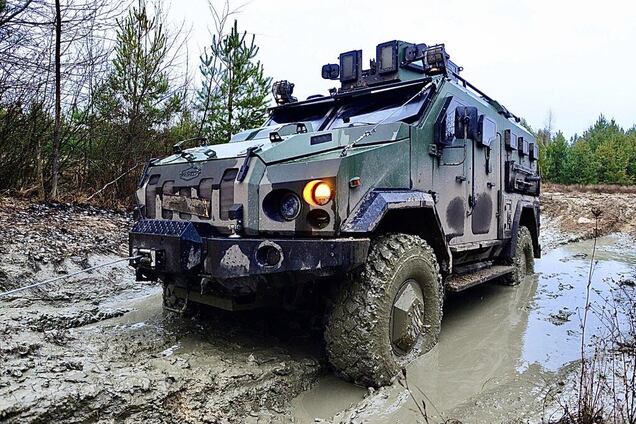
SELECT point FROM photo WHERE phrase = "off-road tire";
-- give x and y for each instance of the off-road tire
(358, 335)
(523, 258)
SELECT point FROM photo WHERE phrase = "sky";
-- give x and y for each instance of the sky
(576, 59)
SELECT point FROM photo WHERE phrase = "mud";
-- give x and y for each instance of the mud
(567, 216)
(126, 360)
(101, 349)
(503, 353)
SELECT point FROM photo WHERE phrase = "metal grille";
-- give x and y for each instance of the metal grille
(160, 227)
(226, 197)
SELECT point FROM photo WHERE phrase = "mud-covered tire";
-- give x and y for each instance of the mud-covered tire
(523, 258)
(358, 334)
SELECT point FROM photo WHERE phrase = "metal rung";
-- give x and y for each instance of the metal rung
(458, 283)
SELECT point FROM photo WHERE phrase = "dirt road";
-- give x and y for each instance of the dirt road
(101, 349)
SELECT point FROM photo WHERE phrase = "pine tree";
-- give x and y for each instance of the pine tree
(612, 158)
(555, 158)
(137, 103)
(234, 91)
(601, 131)
(631, 154)
(580, 166)
(138, 88)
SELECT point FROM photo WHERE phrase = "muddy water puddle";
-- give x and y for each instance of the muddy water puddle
(500, 350)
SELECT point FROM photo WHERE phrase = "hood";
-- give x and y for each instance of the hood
(292, 146)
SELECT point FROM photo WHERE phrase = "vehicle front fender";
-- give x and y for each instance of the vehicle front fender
(401, 211)
(366, 217)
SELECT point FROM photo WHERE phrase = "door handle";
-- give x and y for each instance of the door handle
(490, 185)
(460, 178)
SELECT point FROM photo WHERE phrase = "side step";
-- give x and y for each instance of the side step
(457, 283)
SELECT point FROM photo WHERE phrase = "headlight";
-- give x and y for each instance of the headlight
(290, 206)
(317, 193)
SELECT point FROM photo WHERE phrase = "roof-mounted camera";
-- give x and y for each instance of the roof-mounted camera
(331, 71)
(282, 92)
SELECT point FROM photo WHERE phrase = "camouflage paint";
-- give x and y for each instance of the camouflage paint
(393, 156)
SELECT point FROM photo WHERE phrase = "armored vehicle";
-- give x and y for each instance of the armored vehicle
(402, 184)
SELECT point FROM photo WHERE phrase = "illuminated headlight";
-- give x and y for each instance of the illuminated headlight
(317, 193)
(290, 206)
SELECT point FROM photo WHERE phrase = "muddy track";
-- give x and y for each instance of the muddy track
(124, 359)
(569, 216)
(101, 349)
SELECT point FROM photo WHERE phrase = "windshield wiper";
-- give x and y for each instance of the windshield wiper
(359, 124)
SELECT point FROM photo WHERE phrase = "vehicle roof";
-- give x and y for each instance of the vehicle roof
(458, 81)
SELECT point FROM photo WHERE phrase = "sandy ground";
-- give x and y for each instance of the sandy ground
(101, 349)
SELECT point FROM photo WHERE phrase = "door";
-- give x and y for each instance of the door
(483, 197)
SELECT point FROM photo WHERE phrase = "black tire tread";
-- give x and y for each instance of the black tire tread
(524, 241)
(352, 345)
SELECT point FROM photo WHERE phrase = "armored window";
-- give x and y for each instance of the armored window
(524, 147)
(314, 114)
(510, 139)
(444, 130)
(487, 130)
(398, 105)
(534, 151)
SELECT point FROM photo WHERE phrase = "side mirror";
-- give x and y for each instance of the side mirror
(466, 122)
(331, 71)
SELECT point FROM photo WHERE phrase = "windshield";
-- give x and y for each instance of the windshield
(314, 114)
(383, 107)
(400, 104)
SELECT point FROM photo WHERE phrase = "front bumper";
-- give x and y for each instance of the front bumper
(175, 247)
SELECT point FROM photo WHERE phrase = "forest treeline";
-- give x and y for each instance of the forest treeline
(604, 154)
(90, 90)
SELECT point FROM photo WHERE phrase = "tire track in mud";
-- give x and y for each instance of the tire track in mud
(100, 349)
(87, 363)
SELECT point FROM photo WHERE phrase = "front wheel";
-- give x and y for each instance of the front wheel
(389, 313)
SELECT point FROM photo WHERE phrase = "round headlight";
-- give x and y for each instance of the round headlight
(290, 206)
(317, 193)
(322, 193)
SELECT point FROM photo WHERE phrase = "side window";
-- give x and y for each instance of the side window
(444, 129)
(487, 131)
(524, 148)
(510, 139)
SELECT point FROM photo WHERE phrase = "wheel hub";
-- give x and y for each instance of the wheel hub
(407, 317)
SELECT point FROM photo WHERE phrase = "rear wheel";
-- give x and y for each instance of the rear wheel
(389, 313)
(523, 258)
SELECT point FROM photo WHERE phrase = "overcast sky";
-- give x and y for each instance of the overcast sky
(576, 58)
